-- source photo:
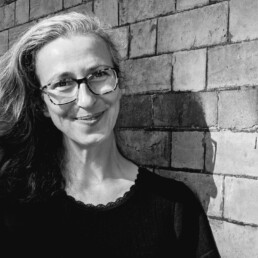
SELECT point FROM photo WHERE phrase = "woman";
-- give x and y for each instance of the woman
(65, 188)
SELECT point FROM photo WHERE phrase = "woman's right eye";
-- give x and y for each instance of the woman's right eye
(66, 82)
(63, 83)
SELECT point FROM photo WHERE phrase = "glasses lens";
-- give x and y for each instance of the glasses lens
(102, 81)
(63, 91)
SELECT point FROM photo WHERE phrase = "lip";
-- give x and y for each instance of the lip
(90, 118)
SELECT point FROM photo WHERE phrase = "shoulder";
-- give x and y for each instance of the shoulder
(167, 187)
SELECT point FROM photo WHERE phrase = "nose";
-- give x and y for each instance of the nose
(85, 98)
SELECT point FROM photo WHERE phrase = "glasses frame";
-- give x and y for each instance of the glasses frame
(79, 82)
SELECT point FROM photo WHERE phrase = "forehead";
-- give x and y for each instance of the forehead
(74, 54)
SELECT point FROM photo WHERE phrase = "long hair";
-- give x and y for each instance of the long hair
(32, 161)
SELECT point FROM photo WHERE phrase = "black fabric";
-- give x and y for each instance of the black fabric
(158, 217)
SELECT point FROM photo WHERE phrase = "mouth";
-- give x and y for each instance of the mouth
(89, 118)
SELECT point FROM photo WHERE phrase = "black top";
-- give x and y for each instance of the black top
(157, 217)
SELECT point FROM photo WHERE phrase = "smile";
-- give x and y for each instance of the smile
(91, 117)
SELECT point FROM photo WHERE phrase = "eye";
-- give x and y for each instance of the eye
(67, 82)
(99, 75)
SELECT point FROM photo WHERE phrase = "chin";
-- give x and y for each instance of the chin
(93, 139)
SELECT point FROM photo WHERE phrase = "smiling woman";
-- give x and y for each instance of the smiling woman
(65, 187)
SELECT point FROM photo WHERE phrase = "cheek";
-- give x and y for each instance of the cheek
(55, 113)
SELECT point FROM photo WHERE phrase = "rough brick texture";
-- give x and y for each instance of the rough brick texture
(143, 38)
(199, 27)
(196, 110)
(3, 42)
(7, 16)
(189, 70)
(123, 36)
(70, 3)
(22, 11)
(234, 240)
(208, 188)
(148, 74)
(233, 65)
(187, 150)
(234, 153)
(131, 111)
(240, 195)
(40, 8)
(187, 4)
(243, 19)
(145, 147)
(107, 10)
(238, 109)
(83, 8)
(136, 10)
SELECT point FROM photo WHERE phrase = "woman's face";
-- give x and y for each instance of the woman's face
(91, 118)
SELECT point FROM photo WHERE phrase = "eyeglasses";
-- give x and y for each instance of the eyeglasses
(64, 91)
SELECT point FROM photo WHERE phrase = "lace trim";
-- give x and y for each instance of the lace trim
(110, 204)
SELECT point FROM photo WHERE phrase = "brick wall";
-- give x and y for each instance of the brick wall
(190, 105)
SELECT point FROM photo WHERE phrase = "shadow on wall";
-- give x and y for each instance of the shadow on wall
(191, 157)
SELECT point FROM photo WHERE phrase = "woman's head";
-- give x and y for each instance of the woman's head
(29, 137)
(18, 65)
(84, 112)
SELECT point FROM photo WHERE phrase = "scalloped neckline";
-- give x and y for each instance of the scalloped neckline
(112, 204)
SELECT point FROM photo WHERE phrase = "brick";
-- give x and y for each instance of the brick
(9, 1)
(243, 20)
(208, 188)
(136, 10)
(195, 28)
(40, 8)
(122, 36)
(241, 161)
(16, 32)
(238, 241)
(71, 3)
(7, 16)
(3, 42)
(107, 11)
(131, 111)
(238, 109)
(145, 147)
(5, 2)
(143, 38)
(22, 11)
(148, 74)
(83, 8)
(233, 65)
(241, 200)
(189, 70)
(195, 110)
(187, 4)
(187, 150)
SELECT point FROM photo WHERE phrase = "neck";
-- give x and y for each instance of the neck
(92, 165)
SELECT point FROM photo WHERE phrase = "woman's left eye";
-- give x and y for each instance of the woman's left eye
(99, 74)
